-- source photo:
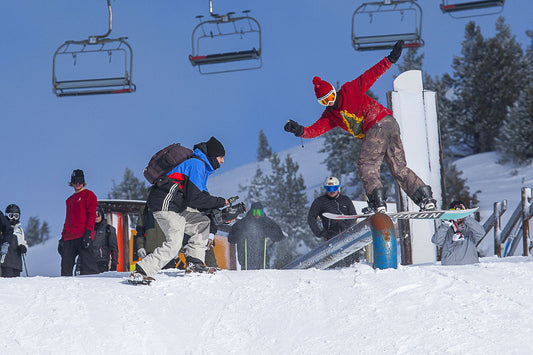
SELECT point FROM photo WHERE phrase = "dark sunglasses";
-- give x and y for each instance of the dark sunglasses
(331, 188)
(13, 215)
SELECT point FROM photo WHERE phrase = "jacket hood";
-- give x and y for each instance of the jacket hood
(201, 155)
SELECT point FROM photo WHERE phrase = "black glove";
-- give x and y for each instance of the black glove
(86, 239)
(22, 249)
(396, 51)
(293, 127)
(60, 246)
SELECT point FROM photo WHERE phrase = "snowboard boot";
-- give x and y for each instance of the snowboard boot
(138, 277)
(376, 202)
(195, 265)
(423, 197)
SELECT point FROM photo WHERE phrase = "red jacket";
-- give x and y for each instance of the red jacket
(81, 215)
(356, 112)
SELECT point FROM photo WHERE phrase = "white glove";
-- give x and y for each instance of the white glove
(141, 253)
(211, 241)
(447, 223)
(458, 237)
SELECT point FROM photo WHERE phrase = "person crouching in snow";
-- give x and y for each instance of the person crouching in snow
(363, 117)
(458, 239)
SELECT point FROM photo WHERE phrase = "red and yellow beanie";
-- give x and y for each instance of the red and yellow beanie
(322, 88)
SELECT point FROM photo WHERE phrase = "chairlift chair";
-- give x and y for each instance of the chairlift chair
(83, 82)
(472, 8)
(401, 9)
(210, 35)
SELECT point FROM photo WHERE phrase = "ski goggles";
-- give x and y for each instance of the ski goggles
(13, 215)
(328, 99)
(331, 188)
(257, 212)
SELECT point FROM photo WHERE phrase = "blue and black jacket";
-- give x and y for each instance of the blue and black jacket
(185, 186)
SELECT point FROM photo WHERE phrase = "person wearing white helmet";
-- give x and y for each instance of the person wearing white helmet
(334, 202)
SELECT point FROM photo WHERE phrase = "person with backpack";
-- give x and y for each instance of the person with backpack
(105, 243)
(12, 265)
(176, 199)
(78, 230)
(354, 111)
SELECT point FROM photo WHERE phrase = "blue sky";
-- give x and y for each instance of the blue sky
(45, 137)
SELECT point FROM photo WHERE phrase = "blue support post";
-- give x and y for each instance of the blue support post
(384, 241)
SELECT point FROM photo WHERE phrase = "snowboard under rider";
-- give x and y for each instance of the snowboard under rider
(364, 118)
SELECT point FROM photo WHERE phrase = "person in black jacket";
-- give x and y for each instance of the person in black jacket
(176, 200)
(12, 265)
(105, 243)
(6, 237)
(251, 234)
(334, 202)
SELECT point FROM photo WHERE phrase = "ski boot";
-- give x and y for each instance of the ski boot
(423, 197)
(195, 266)
(138, 277)
(376, 202)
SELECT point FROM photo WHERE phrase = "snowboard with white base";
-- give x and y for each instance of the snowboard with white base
(434, 214)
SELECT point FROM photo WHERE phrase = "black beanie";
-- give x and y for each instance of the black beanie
(77, 177)
(215, 148)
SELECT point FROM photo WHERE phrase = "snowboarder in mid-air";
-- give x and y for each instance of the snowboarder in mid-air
(363, 117)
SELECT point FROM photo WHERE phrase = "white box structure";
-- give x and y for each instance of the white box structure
(416, 112)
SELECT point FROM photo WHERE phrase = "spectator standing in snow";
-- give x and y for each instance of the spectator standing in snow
(105, 243)
(6, 237)
(175, 200)
(77, 235)
(334, 202)
(458, 239)
(253, 235)
(363, 117)
(12, 265)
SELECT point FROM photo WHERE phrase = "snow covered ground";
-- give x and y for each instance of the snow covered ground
(423, 309)
(420, 309)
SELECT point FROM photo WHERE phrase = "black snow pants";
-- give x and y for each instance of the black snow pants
(86, 259)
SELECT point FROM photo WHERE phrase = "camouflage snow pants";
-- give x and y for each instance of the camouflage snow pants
(382, 141)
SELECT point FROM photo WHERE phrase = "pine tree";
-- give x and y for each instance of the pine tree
(263, 150)
(256, 191)
(411, 60)
(287, 205)
(44, 232)
(487, 81)
(32, 232)
(515, 137)
(130, 188)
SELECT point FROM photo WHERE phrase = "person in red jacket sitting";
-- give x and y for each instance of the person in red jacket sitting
(78, 231)
(363, 117)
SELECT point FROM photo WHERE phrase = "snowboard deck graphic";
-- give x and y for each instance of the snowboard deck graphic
(435, 214)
